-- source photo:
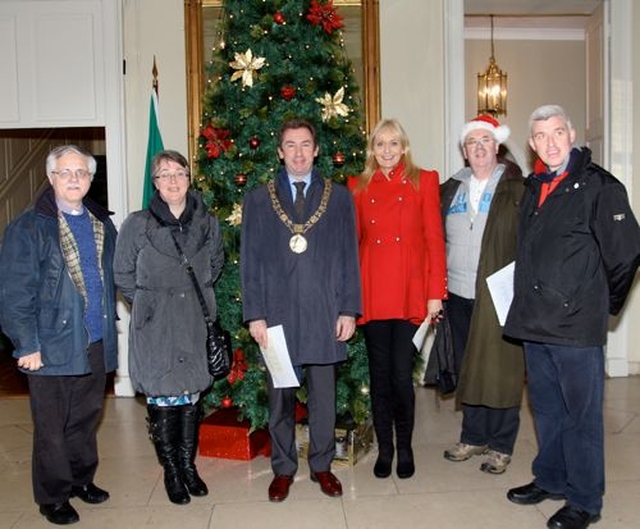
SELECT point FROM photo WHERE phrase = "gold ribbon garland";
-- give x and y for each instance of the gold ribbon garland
(298, 242)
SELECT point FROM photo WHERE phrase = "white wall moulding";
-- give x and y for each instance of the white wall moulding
(52, 64)
(517, 33)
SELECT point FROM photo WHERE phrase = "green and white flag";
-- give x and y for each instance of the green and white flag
(154, 145)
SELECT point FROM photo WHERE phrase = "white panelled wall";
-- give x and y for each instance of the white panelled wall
(422, 84)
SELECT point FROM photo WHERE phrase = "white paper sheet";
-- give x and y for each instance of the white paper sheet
(278, 361)
(500, 285)
(421, 334)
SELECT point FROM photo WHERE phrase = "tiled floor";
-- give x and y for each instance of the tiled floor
(441, 495)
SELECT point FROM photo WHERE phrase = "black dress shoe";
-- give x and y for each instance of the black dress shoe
(571, 518)
(90, 493)
(531, 494)
(61, 513)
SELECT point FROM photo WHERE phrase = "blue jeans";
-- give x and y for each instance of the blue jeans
(566, 386)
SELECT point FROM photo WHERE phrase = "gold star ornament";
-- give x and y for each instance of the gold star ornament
(333, 106)
(246, 65)
(235, 219)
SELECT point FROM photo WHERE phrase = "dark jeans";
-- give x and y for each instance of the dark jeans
(66, 411)
(391, 356)
(566, 386)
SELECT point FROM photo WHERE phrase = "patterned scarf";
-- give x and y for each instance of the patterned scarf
(71, 253)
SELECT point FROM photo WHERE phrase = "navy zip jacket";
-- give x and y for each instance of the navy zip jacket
(577, 257)
(40, 307)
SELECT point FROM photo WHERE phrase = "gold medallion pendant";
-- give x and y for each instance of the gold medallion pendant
(298, 243)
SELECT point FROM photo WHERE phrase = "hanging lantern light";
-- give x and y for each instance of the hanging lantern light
(492, 87)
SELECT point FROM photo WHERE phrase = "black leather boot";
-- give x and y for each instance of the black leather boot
(404, 421)
(164, 430)
(406, 466)
(382, 468)
(189, 448)
(383, 426)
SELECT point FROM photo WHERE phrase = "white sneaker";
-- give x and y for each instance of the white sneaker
(463, 451)
(496, 462)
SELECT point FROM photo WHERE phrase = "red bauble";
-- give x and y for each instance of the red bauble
(339, 159)
(301, 412)
(240, 179)
(288, 92)
(254, 142)
(278, 18)
(226, 402)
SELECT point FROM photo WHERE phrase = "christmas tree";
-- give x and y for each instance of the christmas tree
(276, 59)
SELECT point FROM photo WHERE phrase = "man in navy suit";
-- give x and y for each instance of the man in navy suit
(299, 269)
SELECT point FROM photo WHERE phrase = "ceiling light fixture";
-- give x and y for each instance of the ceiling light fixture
(492, 87)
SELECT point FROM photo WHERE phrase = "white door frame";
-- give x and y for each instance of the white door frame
(117, 160)
(618, 122)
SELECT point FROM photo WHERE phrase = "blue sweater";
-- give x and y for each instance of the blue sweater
(82, 230)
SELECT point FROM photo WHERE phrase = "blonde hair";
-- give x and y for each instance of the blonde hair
(371, 165)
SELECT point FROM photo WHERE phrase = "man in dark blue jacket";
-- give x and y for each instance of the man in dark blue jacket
(578, 252)
(57, 305)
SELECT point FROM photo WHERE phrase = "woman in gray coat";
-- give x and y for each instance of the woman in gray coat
(167, 358)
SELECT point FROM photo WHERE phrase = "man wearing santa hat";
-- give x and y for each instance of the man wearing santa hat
(480, 206)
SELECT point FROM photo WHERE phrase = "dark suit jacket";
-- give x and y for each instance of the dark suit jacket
(303, 292)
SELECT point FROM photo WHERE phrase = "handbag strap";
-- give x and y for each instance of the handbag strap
(196, 285)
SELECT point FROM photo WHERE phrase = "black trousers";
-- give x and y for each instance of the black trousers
(391, 356)
(66, 411)
(321, 405)
(459, 312)
(495, 427)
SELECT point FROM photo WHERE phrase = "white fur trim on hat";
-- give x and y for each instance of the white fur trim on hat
(485, 122)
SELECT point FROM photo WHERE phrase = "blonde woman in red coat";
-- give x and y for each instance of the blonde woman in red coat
(403, 269)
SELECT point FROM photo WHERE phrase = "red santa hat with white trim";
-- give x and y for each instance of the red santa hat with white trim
(486, 122)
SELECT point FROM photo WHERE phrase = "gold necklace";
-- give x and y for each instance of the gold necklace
(298, 242)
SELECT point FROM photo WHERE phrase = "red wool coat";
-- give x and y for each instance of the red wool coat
(401, 245)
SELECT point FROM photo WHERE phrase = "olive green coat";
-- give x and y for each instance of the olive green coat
(492, 372)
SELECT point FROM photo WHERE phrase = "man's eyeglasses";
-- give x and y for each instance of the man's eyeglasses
(166, 175)
(65, 174)
(485, 140)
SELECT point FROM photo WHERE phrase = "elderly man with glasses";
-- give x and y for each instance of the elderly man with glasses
(57, 305)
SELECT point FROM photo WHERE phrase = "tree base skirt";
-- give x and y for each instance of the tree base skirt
(351, 443)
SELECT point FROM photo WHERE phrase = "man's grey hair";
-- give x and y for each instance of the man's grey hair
(548, 111)
(58, 152)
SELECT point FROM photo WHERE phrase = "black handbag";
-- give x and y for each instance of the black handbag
(218, 345)
(441, 369)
